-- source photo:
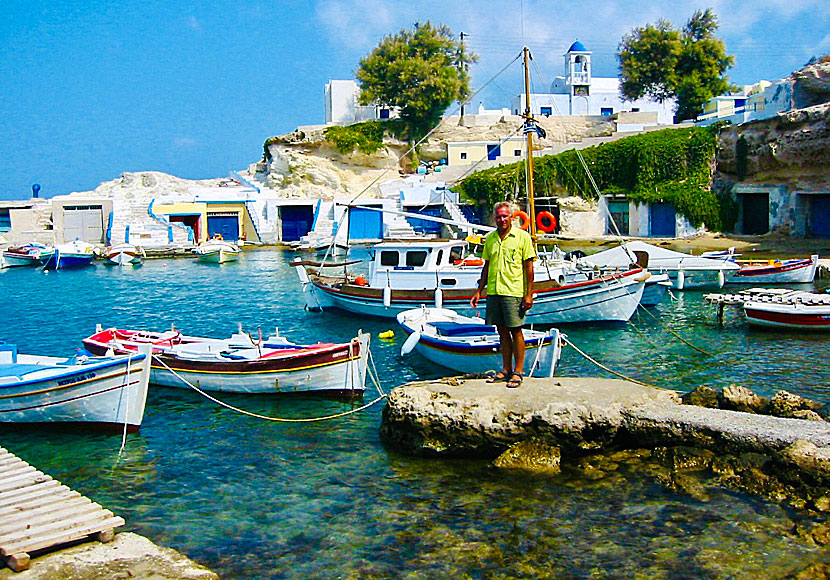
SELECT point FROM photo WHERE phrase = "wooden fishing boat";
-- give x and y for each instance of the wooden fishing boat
(217, 251)
(242, 364)
(33, 254)
(804, 315)
(124, 255)
(107, 392)
(468, 345)
(406, 275)
(70, 255)
(799, 271)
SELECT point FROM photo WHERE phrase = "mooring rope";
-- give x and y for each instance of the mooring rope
(275, 419)
(605, 368)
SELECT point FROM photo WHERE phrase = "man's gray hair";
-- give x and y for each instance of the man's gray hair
(506, 204)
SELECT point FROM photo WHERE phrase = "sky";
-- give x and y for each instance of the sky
(91, 89)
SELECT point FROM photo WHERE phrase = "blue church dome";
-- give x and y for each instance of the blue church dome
(577, 47)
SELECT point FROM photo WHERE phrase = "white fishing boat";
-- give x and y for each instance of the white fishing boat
(794, 271)
(406, 275)
(217, 251)
(108, 392)
(124, 255)
(684, 270)
(242, 364)
(466, 344)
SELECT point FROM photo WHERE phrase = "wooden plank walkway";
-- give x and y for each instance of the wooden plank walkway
(38, 512)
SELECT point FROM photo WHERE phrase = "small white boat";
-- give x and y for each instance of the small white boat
(107, 392)
(124, 255)
(466, 344)
(800, 271)
(217, 251)
(684, 270)
(807, 311)
(241, 364)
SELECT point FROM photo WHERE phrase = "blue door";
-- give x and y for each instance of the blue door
(661, 220)
(296, 221)
(493, 152)
(225, 225)
(820, 216)
(365, 224)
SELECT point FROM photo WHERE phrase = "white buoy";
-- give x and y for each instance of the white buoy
(721, 279)
(387, 296)
(410, 343)
(439, 298)
(681, 279)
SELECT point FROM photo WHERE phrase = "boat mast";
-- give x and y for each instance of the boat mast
(529, 130)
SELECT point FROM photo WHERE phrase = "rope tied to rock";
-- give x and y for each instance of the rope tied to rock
(605, 368)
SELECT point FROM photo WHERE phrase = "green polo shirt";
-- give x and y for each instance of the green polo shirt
(505, 275)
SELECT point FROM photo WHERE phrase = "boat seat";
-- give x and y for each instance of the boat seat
(462, 329)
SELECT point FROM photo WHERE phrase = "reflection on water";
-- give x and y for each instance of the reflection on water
(257, 499)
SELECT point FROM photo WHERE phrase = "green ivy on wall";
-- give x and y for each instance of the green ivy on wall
(669, 166)
(365, 137)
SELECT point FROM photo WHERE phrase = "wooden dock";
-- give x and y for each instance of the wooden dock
(38, 512)
(768, 295)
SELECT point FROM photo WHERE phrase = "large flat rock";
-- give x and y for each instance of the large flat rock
(473, 417)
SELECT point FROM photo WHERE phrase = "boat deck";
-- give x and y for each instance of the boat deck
(38, 512)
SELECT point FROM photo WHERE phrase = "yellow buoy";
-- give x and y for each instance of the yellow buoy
(387, 335)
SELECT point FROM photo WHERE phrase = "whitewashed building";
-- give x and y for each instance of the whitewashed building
(581, 93)
(343, 106)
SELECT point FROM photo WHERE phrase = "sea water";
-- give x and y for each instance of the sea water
(251, 498)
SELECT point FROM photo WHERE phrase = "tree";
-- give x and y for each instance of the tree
(420, 71)
(689, 65)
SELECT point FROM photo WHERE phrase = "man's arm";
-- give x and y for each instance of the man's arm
(482, 285)
(527, 266)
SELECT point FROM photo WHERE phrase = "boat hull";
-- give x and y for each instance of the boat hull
(608, 298)
(788, 272)
(799, 316)
(333, 369)
(218, 256)
(481, 352)
(12, 260)
(109, 393)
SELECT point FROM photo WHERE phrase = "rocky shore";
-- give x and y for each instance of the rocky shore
(583, 422)
(127, 556)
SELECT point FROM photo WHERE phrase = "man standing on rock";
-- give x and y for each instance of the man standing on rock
(507, 280)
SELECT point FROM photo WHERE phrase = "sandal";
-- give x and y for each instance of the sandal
(497, 377)
(513, 383)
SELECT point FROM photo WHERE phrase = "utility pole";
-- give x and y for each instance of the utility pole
(529, 133)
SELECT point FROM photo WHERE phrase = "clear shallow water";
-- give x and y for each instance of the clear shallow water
(253, 499)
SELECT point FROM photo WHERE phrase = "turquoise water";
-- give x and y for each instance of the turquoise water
(254, 499)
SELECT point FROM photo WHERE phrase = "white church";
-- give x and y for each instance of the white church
(580, 93)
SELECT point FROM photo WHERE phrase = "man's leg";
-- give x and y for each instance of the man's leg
(518, 341)
(506, 338)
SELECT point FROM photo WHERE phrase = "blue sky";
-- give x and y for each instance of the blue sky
(90, 89)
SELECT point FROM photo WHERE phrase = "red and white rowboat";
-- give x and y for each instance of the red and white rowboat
(241, 364)
(803, 314)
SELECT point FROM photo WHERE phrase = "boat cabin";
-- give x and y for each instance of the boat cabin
(417, 265)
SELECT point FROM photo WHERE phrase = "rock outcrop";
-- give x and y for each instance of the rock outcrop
(128, 556)
(598, 423)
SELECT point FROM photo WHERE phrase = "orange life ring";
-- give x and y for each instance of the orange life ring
(540, 221)
(469, 262)
(524, 217)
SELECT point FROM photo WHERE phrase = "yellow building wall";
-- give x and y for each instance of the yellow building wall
(476, 151)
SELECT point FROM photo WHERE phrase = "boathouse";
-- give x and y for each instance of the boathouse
(798, 213)
(660, 220)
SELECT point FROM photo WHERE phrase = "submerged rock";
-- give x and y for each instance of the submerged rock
(533, 454)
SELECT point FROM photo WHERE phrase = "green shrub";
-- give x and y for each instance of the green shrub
(670, 166)
(365, 137)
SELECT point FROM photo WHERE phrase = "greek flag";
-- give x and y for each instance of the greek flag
(534, 128)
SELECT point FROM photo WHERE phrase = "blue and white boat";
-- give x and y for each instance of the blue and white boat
(102, 392)
(466, 344)
(70, 255)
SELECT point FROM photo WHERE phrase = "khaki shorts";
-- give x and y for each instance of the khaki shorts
(504, 311)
